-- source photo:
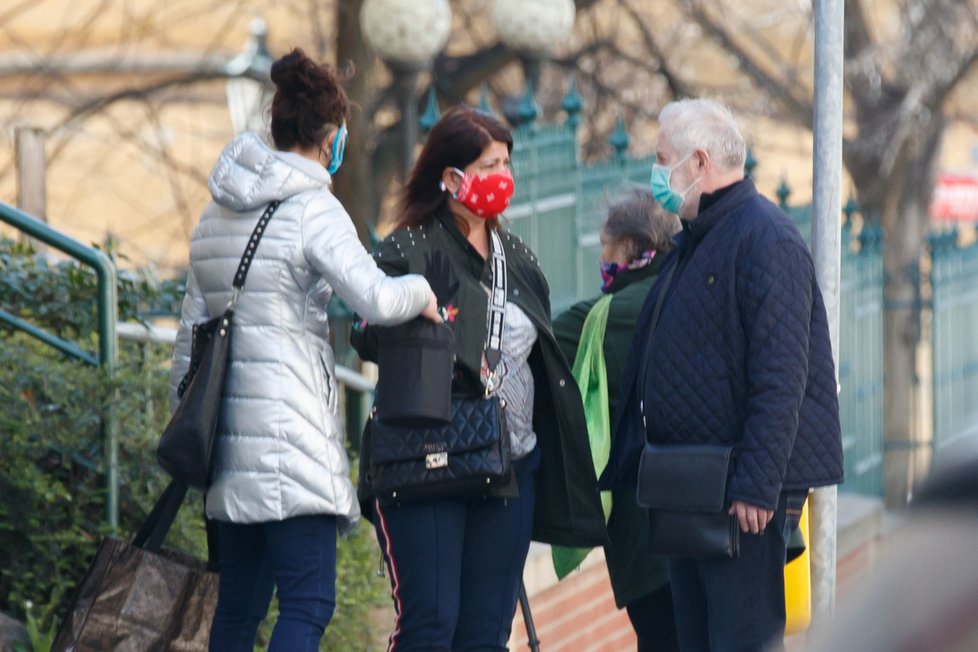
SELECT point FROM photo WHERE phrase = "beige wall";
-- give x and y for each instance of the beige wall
(138, 171)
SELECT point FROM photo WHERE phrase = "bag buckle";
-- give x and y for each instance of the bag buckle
(491, 384)
(233, 301)
(436, 460)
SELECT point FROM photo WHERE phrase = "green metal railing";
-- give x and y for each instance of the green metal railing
(107, 317)
(861, 358)
(954, 306)
(566, 199)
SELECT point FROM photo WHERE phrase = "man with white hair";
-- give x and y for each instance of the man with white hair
(740, 357)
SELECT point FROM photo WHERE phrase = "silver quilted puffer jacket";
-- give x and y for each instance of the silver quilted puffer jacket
(280, 453)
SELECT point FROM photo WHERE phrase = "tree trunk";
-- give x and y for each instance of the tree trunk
(905, 221)
(355, 185)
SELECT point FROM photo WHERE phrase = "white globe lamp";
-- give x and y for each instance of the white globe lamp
(533, 27)
(406, 33)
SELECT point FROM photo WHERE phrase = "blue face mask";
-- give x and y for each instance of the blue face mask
(336, 155)
(670, 199)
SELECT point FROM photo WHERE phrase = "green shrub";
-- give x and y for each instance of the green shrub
(52, 480)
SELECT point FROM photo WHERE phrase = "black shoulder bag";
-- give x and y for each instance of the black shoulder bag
(470, 456)
(684, 486)
(186, 447)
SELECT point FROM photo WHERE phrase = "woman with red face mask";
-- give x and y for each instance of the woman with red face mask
(456, 563)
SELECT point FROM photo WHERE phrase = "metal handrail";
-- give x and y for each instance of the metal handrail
(108, 311)
(66, 347)
(148, 333)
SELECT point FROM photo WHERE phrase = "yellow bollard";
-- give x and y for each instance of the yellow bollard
(798, 585)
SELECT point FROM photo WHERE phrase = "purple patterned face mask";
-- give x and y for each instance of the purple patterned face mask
(610, 271)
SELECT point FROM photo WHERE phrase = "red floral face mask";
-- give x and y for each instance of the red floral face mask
(487, 196)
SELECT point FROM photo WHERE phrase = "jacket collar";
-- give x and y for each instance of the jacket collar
(248, 174)
(479, 265)
(717, 205)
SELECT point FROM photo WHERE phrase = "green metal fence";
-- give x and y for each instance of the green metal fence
(861, 358)
(954, 270)
(565, 199)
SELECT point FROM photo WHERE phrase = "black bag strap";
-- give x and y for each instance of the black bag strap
(154, 529)
(647, 349)
(496, 314)
(249, 253)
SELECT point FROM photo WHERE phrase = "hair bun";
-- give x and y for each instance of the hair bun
(293, 73)
(308, 98)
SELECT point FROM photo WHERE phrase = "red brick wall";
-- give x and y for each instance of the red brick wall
(577, 615)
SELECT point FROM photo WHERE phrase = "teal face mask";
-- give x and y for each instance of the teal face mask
(336, 155)
(670, 199)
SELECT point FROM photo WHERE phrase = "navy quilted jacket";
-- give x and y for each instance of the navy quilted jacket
(741, 355)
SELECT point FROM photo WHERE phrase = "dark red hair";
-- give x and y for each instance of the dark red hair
(457, 139)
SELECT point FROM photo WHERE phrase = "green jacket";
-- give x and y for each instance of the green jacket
(634, 573)
(568, 509)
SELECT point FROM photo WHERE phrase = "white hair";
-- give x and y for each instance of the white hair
(708, 125)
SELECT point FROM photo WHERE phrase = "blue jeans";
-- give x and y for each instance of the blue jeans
(456, 566)
(737, 605)
(297, 555)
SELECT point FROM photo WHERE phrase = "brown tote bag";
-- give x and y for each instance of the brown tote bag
(137, 597)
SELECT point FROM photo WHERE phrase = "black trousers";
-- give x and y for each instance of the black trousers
(653, 621)
(737, 605)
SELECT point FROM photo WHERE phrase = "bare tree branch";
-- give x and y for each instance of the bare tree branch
(798, 110)
(677, 86)
(142, 93)
(105, 62)
(14, 11)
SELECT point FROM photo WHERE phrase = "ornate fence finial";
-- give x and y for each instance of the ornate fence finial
(431, 112)
(942, 240)
(528, 109)
(783, 192)
(619, 138)
(750, 163)
(572, 103)
(484, 99)
(870, 236)
(850, 209)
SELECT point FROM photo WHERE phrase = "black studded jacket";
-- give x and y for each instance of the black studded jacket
(568, 509)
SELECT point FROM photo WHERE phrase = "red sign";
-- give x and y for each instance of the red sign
(955, 197)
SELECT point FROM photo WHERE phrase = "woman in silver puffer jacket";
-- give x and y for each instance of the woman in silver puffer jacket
(281, 486)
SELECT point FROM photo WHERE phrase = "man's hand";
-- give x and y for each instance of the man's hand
(752, 519)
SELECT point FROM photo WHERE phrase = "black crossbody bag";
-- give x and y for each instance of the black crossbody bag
(684, 487)
(186, 448)
(471, 455)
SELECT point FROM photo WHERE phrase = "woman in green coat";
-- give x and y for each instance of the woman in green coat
(635, 236)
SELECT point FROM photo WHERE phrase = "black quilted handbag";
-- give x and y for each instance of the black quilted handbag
(468, 457)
